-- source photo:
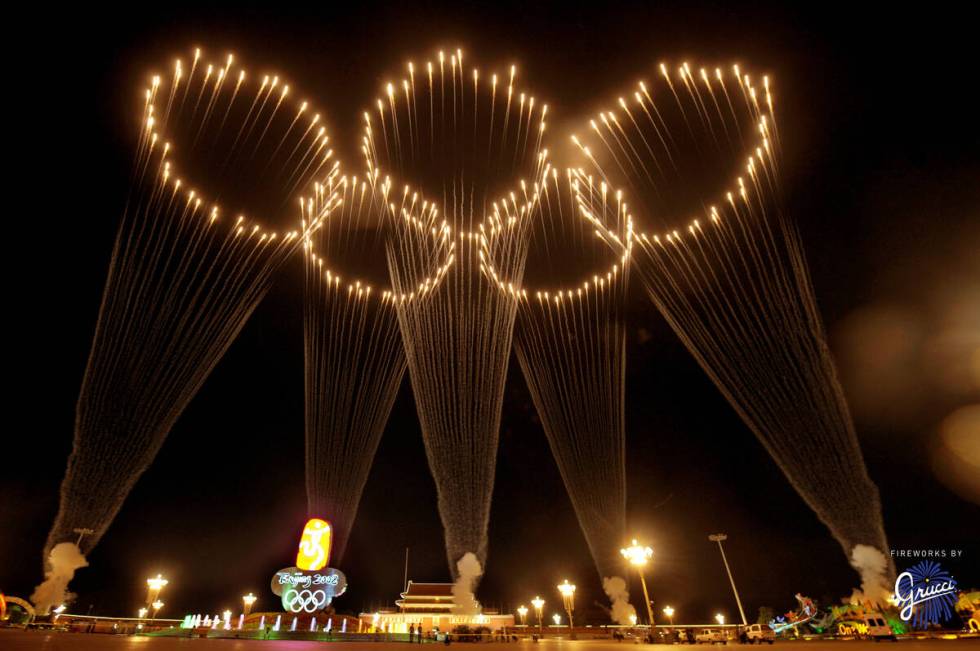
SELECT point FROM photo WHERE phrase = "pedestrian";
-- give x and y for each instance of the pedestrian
(420, 632)
(411, 633)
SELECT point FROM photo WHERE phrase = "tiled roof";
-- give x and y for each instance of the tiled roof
(428, 590)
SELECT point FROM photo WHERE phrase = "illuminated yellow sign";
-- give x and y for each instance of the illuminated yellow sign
(314, 546)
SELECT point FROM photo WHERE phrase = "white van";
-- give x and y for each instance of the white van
(759, 633)
(877, 627)
(710, 636)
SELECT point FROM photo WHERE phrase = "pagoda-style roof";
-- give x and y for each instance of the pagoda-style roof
(427, 597)
(420, 590)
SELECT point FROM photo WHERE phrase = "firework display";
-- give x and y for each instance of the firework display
(571, 345)
(184, 276)
(459, 139)
(354, 357)
(459, 242)
(732, 279)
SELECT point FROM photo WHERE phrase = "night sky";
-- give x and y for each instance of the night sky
(881, 169)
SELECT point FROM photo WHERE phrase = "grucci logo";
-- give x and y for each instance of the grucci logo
(925, 593)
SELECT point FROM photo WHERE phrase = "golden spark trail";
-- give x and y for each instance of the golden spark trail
(734, 286)
(354, 359)
(183, 280)
(457, 341)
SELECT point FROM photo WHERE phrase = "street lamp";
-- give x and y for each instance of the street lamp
(567, 591)
(538, 604)
(522, 611)
(718, 538)
(143, 611)
(156, 606)
(248, 600)
(720, 619)
(639, 556)
(669, 612)
(633, 619)
(556, 618)
(155, 585)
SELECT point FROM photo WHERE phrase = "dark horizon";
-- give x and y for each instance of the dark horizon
(880, 175)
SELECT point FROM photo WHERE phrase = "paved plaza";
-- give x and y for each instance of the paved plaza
(18, 640)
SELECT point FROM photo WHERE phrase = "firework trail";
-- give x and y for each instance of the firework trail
(353, 351)
(462, 137)
(732, 281)
(183, 278)
(571, 345)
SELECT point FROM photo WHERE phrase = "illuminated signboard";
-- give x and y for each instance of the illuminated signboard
(314, 546)
(926, 594)
(310, 586)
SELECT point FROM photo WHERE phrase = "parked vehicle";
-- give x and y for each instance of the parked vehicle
(710, 636)
(877, 628)
(759, 633)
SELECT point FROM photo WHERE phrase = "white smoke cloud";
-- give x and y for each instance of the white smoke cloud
(615, 588)
(872, 565)
(63, 560)
(468, 569)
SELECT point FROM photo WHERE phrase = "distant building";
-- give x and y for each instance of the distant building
(431, 605)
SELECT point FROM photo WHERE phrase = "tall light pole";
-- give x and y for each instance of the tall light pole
(638, 556)
(538, 604)
(522, 611)
(567, 591)
(156, 605)
(669, 612)
(155, 585)
(718, 538)
(248, 600)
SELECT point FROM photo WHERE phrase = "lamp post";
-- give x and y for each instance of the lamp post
(556, 618)
(248, 600)
(522, 611)
(567, 591)
(156, 606)
(155, 585)
(143, 611)
(720, 619)
(718, 538)
(632, 619)
(669, 612)
(538, 604)
(639, 556)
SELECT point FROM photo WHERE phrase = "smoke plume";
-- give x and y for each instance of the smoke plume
(63, 560)
(615, 588)
(468, 570)
(873, 567)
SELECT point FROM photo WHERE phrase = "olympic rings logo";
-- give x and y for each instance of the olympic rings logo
(304, 600)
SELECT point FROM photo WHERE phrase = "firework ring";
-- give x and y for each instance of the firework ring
(305, 600)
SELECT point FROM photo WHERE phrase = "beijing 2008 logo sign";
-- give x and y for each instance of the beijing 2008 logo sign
(310, 586)
(926, 594)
